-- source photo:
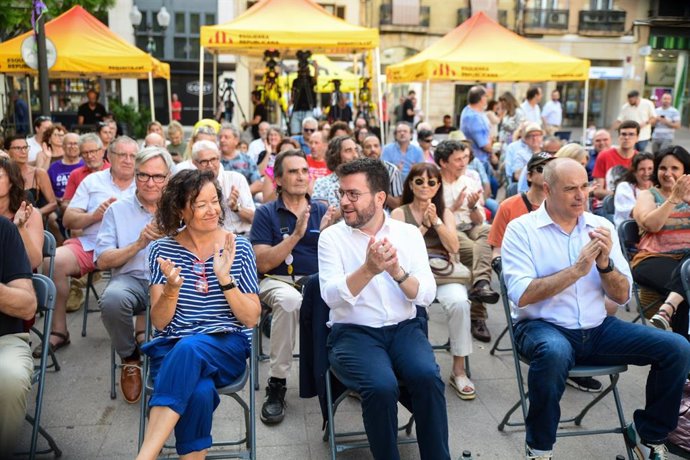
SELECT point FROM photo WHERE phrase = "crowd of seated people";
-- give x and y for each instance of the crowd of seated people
(220, 219)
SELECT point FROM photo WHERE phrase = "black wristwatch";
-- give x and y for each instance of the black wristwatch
(230, 285)
(608, 269)
(496, 264)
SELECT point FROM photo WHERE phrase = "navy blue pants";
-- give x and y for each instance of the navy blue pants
(370, 360)
(186, 373)
(554, 350)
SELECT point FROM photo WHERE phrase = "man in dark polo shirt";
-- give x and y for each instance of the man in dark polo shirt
(17, 303)
(90, 112)
(285, 235)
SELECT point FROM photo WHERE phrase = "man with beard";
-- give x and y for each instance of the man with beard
(363, 259)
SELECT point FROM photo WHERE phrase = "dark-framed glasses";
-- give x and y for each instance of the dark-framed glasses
(419, 181)
(157, 178)
(352, 195)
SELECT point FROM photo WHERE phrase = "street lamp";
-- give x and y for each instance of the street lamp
(163, 19)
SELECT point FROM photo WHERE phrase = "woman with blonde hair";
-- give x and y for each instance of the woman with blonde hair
(176, 147)
(574, 151)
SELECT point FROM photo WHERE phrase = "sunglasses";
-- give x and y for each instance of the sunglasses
(430, 182)
(308, 130)
(426, 140)
(199, 269)
(539, 169)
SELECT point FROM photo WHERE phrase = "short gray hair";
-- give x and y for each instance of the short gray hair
(149, 153)
(90, 137)
(232, 128)
(308, 120)
(122, 140)
(200, 146)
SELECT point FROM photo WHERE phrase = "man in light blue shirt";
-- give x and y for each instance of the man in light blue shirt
(559, 264)
(475, 125)
(121, 246)
(402, 153)
(520, 151)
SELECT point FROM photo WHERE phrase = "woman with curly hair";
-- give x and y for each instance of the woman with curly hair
(51, 146)
(204, 304)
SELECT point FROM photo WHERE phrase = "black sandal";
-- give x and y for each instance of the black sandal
(38, 351)
(661, 319)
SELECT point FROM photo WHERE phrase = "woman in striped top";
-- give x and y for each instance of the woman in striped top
(204, 303)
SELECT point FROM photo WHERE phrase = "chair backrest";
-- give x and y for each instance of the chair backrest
(608, 205)
(45, 292)
(49, 250)
(685, 278)
(629, 236)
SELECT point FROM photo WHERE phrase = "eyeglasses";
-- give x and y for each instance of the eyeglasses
(91, 152)
(23, 148)
(199, 269)
(308, 130)
(206, 163)
(71, 144)
(427, 140)
(157, 178)
(430, 182)
(352, 195)
(123, 155)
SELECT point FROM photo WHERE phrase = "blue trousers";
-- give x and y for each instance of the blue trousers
(186, 373)
(553, 350)
(370, 360)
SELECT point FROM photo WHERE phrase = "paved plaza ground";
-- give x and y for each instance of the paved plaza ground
(88, 425)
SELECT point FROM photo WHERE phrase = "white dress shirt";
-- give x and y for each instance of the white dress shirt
(233, 222)
(536, 247)
(469, 183)
(532, 114)
(94, 190)
(382, 302)
(553, 113)
(255, 148)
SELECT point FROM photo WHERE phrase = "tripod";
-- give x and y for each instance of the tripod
(272, 94)
(226, 89)
(303, 95)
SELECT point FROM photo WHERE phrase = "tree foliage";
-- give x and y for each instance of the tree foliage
(15, 19)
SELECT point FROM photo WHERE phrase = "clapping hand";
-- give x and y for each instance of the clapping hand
(222, 260)
(604, 242)
(100, 210)
(21, 217)
(327, 218)
(233, 199)
(681, 190)
(429, 218)
(171, 273)
(382, 256)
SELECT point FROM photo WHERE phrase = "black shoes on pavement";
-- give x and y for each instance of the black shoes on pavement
(273, 409)
(482, 292)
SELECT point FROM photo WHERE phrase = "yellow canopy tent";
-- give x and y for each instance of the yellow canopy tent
(286, 26)
(329, 71)
(84, 46)
(480, 49)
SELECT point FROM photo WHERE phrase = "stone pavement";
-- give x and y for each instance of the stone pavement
(87, 424)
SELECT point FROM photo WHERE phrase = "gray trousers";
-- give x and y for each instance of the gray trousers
(124, 297)
(16, 369)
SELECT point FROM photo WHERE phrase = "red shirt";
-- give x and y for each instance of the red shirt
(511, 208)
(75, 178)
(317, 169)
(176, 110)
(606, 160)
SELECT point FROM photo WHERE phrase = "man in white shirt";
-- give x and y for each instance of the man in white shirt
(41, 125)
(666, 122)
(642, 111)
(127, 229)
(559, 264)
(237, 198)
(259, 145)
(552, 113)
(530, 106)
(373, 271)
(463, 195)
(85, 212)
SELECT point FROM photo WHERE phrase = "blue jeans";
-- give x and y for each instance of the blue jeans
(370, 360)
(553, 350)
(640, 146)
(186, 373)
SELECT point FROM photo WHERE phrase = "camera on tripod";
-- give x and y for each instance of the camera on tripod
(270, 57)
(229, 81)
(303, 59)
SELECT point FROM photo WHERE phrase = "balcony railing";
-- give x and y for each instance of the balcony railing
(545, 20)
(386, 18)
(606, 22)
(465, 13)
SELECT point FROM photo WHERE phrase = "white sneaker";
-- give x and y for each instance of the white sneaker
(534, 454)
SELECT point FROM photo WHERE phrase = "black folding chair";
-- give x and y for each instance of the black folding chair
(578, 371)
(629, 236)
(49, 251)
(232, 390)
(685, 278)
(45, 296)
(91, 288)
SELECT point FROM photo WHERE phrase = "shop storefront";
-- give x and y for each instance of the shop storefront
(666, 68)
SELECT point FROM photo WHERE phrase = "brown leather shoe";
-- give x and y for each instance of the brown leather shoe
(480, 331)
(483, 293)
(130, 380)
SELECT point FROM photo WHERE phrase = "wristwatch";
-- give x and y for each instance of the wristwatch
(230, 285)
(402, 279)
(608, 269)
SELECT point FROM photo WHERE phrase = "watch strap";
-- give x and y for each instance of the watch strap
(230, 285)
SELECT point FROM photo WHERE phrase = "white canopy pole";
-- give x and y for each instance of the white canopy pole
(379, 91)
(214, 82)
(170, 118)
(153, 108)
(201, 82)
(426, 100)
(584, 115)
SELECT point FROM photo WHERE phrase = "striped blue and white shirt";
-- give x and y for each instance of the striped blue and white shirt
(197, 312)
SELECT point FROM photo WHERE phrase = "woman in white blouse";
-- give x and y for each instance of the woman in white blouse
(638, 178)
